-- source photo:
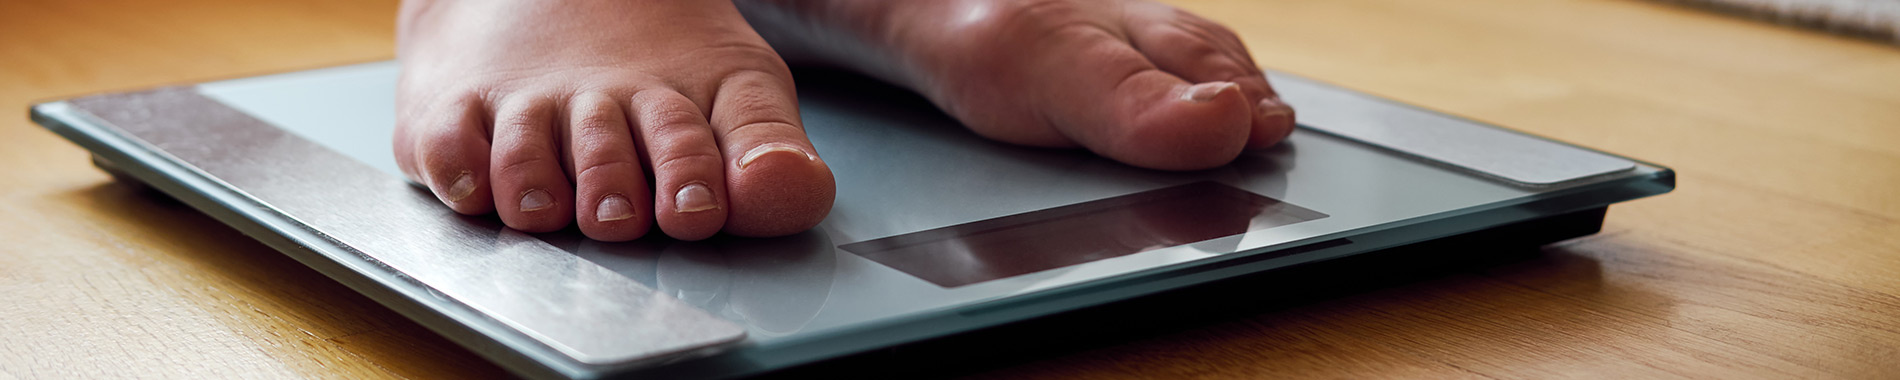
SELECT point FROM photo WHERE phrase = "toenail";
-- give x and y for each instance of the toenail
(1207, 91)
(762, 149)
(536, 200)
(612, 208)
(1273, 108)
(694, 197)
(462, 187)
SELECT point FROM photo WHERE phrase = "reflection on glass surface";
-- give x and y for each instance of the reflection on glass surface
(1059, 237)
(774, 286)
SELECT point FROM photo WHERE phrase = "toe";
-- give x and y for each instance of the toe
(689, 186)
(1199, 50)
(531, 191)
(446, 149)
(612, 201)
(1121, 105)
(777, 184)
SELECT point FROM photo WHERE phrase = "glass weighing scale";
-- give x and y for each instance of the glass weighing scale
(935, 231)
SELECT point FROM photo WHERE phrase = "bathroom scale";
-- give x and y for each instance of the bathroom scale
(935, 231)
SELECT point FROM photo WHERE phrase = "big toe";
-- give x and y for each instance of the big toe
(1126, 109)
(1169, 124)
(778, 189)
(1092, 88)
(1200, 50)
(778, 185)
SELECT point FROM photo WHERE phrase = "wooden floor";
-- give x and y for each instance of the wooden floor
(1777, 257)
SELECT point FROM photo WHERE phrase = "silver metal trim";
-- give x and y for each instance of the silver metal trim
(592, 315)
(1462, 144)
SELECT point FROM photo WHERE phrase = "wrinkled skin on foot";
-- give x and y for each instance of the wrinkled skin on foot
(615, 115)
(622, 115)
(1136, 81)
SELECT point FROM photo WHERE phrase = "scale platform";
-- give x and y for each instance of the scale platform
(935, 232)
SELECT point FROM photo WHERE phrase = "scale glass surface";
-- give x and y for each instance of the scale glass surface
(935, 231)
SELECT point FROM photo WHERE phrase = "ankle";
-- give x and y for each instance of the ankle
(829, 34)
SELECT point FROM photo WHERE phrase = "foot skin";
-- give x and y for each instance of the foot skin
(610, 114)
(1140, 82)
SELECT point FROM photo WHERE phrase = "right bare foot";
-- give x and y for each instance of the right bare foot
(1140, 82)
(556, 111)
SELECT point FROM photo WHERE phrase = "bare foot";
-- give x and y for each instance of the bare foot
(1136, 81)
(556, 111)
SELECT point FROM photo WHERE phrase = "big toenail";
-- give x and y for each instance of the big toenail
(462, 187)
(694, 197)
(536, 200)
(762, 149)
(612, 208)
(1207, 91)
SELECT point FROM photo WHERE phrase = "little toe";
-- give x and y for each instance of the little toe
(530, 189)
(612, 200)
(1201, 51)
(689, 182)
(447, 150)
(778, 185)
(1124, 107)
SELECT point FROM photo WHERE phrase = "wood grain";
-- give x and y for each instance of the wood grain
(1778, 256)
